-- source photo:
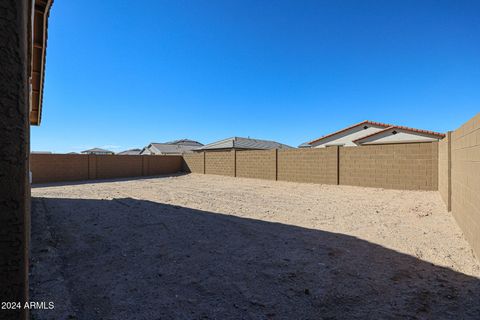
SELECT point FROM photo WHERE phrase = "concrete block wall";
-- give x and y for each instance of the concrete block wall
(412, 166)
(157, 165)
(194, 162)
(397, 166)
(259, 164)
(318, 165)
(109, 167)
(66, 167)
(220, 163)
(59, 167)
(444, 170)
(465, 180)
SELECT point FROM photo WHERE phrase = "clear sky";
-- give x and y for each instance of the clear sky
(121, 74)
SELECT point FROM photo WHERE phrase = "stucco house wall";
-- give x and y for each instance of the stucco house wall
(14, 153)
(347, 137)
(401, 136)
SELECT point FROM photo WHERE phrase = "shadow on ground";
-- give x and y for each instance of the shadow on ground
(79, 182)
(132, 259)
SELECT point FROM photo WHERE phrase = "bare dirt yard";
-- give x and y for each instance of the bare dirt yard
(213, 247)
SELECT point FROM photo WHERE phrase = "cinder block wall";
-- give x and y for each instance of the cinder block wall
(308, 165)
(59, 167)
(194, 162)
(109, 167)
(444, 174)
(398, 166)
(465, 174)
(155, 165)
(259, 164)
(220, 163)
(411, 166)
(66, 167)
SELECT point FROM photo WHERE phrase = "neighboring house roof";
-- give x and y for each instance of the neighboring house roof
(185, 142)
(99, 150)
(131, 152)
(171, 147)
(167, 148)
(305, 145)
(37, 54)
(346, 129)
(434, 134)
(383, 128)
(244, 143)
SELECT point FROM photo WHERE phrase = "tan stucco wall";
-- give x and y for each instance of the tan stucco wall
(14, 152)
(347, 137)
(402, 136)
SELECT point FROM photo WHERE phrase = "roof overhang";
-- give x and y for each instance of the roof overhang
(40, 10)
(432, 134)
(366, 122)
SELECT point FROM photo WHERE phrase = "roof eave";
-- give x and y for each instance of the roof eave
(38, 49)
(348, 128)
(430, 133)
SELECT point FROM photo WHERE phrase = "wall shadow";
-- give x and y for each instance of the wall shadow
(132, 259)
(79, 182)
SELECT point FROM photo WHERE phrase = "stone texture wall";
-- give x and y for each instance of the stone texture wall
(259, 164)
(14, 151)
(194, 162)
(317, 165)
(65, 167)
(411, 166)
(220, 163)
(465, 174)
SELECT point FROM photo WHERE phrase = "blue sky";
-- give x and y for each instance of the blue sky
(121, 74)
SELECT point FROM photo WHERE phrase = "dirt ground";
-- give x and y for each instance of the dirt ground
(213, 247)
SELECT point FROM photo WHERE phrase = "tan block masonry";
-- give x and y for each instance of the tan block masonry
(65, 167)
(59, 167)
(465, 174)
(444, 169)
(259, 164)
(194, 162)
(220, 163)
(318, 165)
(397, 166)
